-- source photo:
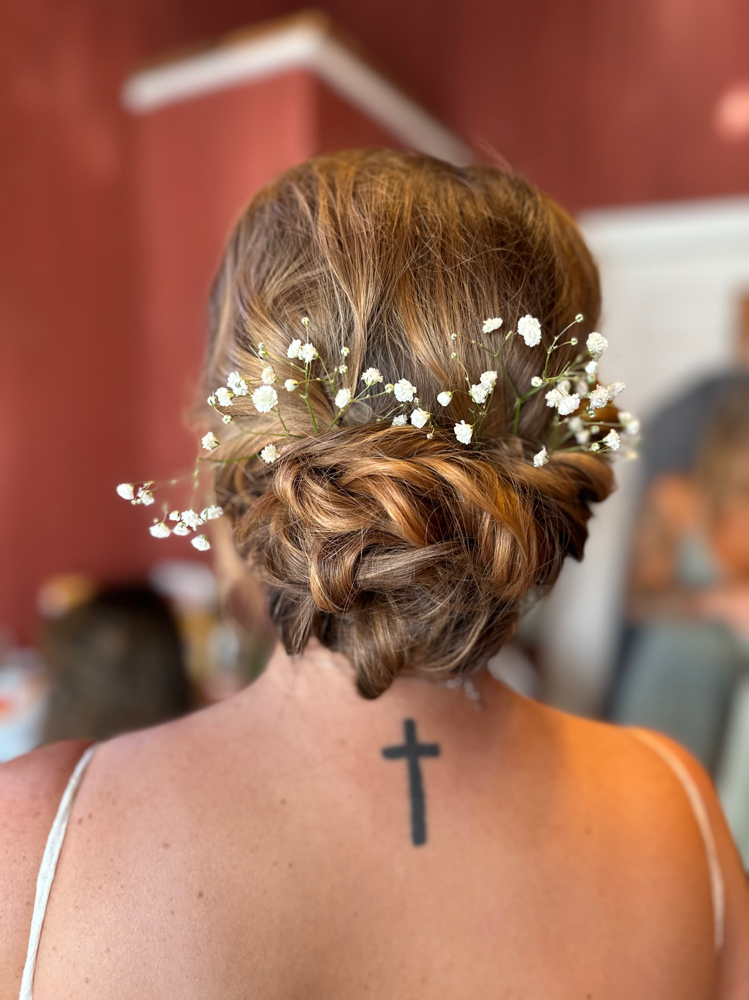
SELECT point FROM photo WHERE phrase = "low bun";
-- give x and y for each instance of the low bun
(409, 555)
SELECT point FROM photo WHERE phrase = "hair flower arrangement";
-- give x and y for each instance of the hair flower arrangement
(571, 393)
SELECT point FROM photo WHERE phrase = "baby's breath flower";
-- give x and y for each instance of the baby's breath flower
(596, 345)
(632, 427)
(211, 400)
(537, 382)
(343, 369)
(237, 384)
(201, 543)
(210, 441)
(444, 398)
(420, 417)
(400, 421)
(262, 352)
(305, 322)
(529, 329)
(174, 516)
(126, 491)
(224, 396)
(372, 376)
(290, 384)
(404, 391)
(211, 513)
(342, 398)
(488, 379)
(575, 424)
(430, 435)
(160, 530)
(345, 352)
(573, 341)
(145, 496)
(294, 348)
(191, 519)
(270, 454)
(490, 325)
(560, 398)
(308, 353)
(541, 458)
(226, 418)
(592, 367)
(181, 529)
(453, 355)
(595, 446)
(603, 394)
(389, 387)
(581, 387)
(463, 432)
(582, 437)
(268, 376)
(453, 336)
(612, 440)
(264, 398)
(479, 393)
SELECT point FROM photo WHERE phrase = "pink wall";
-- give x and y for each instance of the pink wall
(599, 101)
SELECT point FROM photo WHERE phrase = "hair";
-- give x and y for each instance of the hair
(115, 664)
(406, 554)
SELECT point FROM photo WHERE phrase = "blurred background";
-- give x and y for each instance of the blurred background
(133, 133)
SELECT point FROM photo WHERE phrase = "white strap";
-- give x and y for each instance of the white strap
(48, 868)
(717, 885)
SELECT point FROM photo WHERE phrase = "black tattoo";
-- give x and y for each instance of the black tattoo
(411, 749)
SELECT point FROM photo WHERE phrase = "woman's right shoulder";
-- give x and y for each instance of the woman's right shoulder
(30, 791)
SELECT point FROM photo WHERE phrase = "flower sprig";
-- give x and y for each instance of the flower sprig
(569, 393)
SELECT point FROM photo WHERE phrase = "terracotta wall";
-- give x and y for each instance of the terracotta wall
(602, 102)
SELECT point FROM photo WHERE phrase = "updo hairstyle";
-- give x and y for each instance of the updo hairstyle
(408, 555)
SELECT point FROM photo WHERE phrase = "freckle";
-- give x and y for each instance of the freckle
(88, 980)
(172, 912)
(80, 820)
(107, 950)
(283, 802)
(90, 815)
(291, 864)
(275, 864)
(200, 895)
(356, 913)
(165, 845)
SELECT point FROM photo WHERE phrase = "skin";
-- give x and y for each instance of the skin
(262, 847)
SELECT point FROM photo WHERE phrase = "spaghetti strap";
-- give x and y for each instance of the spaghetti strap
(47, 870)
(717, 884)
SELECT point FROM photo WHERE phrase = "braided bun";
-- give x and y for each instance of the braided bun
(408, 554)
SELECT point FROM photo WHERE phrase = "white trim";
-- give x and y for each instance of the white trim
(306, 46)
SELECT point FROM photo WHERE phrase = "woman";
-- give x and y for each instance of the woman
(352, 824)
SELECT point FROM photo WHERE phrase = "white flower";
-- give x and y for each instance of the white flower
(290, 384)
(529, 329)
(342, 398)
(592, 367)
(562, 400)
(224, 396)
(226, 419)
(582, 437)
(270, 454)
(389, 387)
(261, 351)
(267, 376)
(145, 496)
(537, 382)
(463, 432)
(575, 424)
(615, 388)
(343, 369)
(400, 421)
(174, 516)
(420, 417)
(444, 398)
(160, 530)
(596, 446)
(632, 424)
(294, 348)
(181, 529)
(541, 458)
(201, 543)
(345, 352)
(596, 345)
(265, 398)
(211, 400)
(237, 384)
(404, 391)
(305, 322)
(191, 519)
(210, 441)
(479, 393)
(308, 353)
(581, 387)
(371, 376)
(613, 440)
(603, 394)
(490, 325)
(488, 379)
(126, 491)
(211, 513)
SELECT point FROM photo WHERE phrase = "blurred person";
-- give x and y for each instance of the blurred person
(352, 823)
(115, 664)
(689, 591)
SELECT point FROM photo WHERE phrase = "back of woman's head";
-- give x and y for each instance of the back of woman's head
(406, 552)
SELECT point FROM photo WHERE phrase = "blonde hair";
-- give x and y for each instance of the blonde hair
(406, 554)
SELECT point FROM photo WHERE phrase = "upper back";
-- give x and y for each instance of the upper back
(202, 864)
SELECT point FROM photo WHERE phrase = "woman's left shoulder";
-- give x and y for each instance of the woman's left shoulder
(30, 791)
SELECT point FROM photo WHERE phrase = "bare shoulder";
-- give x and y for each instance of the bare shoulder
(30, 790)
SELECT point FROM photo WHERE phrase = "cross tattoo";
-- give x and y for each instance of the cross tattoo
(411, 750)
